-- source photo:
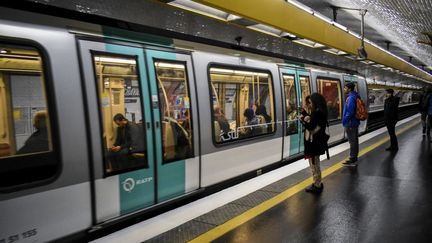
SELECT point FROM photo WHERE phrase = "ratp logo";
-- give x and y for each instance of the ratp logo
(128, 184)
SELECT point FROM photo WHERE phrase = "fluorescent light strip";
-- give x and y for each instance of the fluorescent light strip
(265, 29)
(322, 17)
(301, 6)
(200, 9)
(309, 43)
(168, 65)
(232, 17)
(283, 34)
(368, 62)
(340, 26)
(115, 60)
(335, 51)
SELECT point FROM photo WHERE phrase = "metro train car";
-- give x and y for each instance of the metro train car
(187, 110)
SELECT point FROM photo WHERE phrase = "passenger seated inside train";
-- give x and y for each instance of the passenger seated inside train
(264, 118)
(38, 141)
(250, 127)
(221, 125)
(129, 144)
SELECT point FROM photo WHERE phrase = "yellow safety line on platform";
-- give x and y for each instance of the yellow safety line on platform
(231, 224)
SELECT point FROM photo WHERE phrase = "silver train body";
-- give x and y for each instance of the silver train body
(75, 190)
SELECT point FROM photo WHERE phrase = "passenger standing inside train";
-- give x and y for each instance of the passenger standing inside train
(315, 138)
(351, 123)
(391, 105)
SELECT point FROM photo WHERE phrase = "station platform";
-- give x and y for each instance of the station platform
(384, 199)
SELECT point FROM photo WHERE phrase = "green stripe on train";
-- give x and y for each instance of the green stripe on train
(137, 187)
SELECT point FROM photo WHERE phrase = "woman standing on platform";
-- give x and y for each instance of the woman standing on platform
(315, 138)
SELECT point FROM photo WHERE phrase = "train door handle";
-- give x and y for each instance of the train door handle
(148, 125)
(157, 124)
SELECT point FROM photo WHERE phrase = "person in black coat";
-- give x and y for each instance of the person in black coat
(422, 107)
(315, 138)
(118, 153)
(38, 141)
(391, 117)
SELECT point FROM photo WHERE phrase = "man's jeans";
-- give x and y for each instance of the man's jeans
(352, 134)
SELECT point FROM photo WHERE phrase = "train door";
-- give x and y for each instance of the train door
(120, 128)
(295, 88)
(176, 118)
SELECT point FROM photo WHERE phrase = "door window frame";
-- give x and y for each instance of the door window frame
(340, 95)
(161, 115)
(294, 75)
(94, 53)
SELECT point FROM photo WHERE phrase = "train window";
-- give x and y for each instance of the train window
(123, 135)
(175, 109)
(242, 103)
(377, 96)
(376, 99)
(305, 88)
(331, 90)
(291, 103)
(415, 96)
(26, 144)
(407, 96)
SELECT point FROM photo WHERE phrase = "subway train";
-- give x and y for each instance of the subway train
(68, 169)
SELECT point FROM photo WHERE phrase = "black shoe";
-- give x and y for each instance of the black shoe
(350, 162)
(313, 189)
(321, 188)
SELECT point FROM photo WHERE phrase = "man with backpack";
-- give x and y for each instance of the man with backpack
(391, 105)
(351, 123)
